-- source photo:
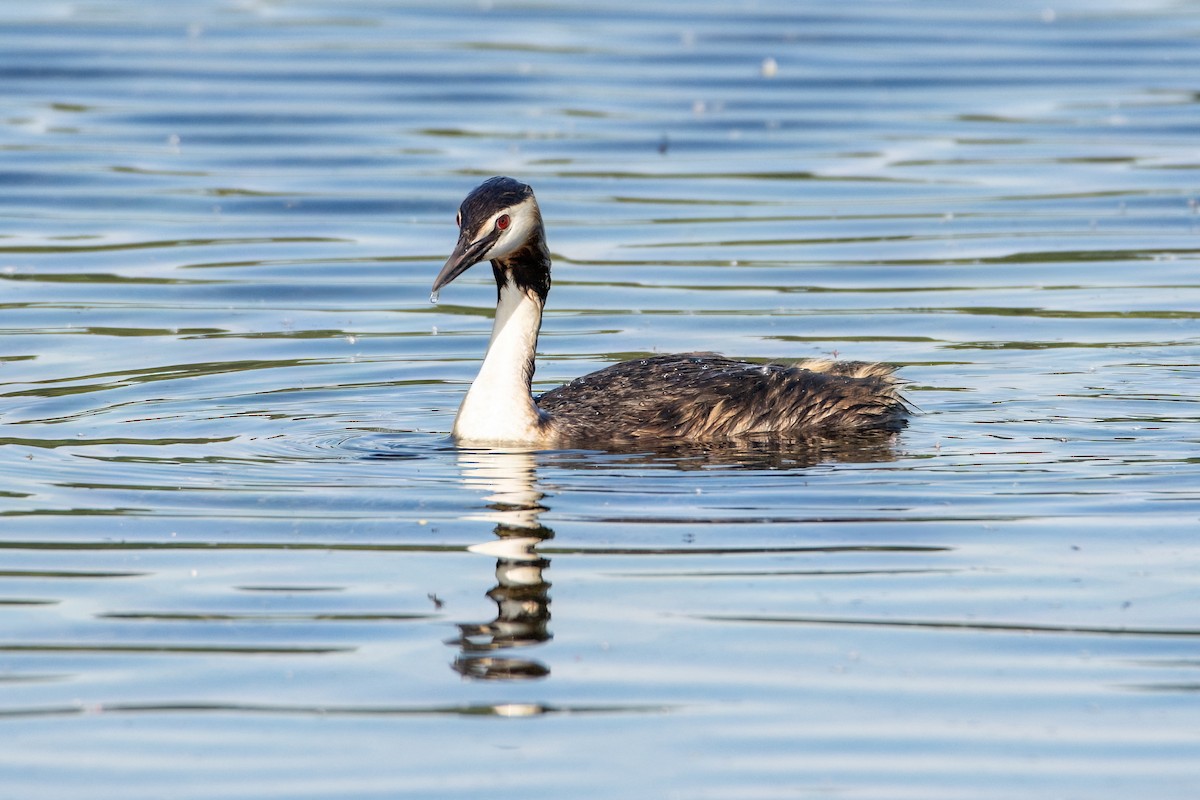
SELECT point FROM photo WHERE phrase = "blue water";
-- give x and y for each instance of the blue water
(242, 558)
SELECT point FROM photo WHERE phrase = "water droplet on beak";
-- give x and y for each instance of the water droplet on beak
(433, 297)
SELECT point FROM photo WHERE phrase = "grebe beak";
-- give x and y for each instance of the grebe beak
(466, 255)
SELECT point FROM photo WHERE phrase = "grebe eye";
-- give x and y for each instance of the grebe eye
(503, 221)
(458, 220)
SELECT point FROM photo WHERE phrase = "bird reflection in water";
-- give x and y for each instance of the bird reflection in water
(492, 650)
(521, 593)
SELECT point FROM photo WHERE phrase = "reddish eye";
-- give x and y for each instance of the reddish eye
(503, 221)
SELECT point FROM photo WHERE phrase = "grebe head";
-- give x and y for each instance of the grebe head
(495, 220)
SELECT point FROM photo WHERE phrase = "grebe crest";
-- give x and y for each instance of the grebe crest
(690, 396)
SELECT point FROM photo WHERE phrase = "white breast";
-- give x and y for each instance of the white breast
(498, 407)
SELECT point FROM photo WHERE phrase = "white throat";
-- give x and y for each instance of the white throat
(498, 407)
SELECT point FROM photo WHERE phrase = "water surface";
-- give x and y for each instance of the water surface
(241, 558)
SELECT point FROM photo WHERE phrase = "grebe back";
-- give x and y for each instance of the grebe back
(689, 396)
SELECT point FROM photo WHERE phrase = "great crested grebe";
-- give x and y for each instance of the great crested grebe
(699, 397)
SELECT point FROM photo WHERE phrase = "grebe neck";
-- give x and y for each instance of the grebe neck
(499, 407)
